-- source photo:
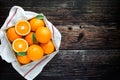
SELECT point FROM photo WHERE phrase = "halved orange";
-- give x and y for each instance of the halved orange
(20, 45)
(23, 27)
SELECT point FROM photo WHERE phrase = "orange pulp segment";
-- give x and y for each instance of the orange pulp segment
(20, 45)
(23, 27)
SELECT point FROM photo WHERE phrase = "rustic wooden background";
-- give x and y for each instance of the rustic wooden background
(90, 39)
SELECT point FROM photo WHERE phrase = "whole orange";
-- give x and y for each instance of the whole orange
(36, 23)
(12, 35)
(48, 47)
(23, 59)
(35, 52)
(43, 34)
(30, 38)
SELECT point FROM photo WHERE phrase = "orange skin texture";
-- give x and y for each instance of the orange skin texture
(35, 52)
(48, 48)
(43, 34)
(36, 23)
(12, 35)
(29, 38)
(23, 59)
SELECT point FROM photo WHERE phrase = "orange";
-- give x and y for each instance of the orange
(35, 52)
(31, 38)
(11, 34)
(20, 45)
(23, 27)
(48, 47)
(23, 59)
(36, 23)
(43, 34)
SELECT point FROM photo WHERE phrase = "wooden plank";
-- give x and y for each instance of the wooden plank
(69, 16)
(84, 24)
(74, 65)
(68, 12)
(87, 36)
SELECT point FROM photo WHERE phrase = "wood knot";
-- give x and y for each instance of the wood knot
(80, 37)
(70, 28)
(81, 26)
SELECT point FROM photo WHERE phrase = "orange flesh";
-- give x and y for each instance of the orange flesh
(20, 46)
(23, 28)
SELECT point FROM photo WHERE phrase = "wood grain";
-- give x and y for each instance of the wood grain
(87, 36)
(69, 12)
(90, 39)
(74, 65)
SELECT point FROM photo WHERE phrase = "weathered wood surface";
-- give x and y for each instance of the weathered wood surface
(74, 65)
(87, 36)
(90, 39)
(69, 12)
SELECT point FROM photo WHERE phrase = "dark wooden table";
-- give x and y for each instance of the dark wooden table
(90, 39)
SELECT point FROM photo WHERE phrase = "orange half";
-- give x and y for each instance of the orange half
(22, 27)
(20, 45)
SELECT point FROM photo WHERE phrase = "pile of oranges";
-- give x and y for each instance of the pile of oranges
(30, 39)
